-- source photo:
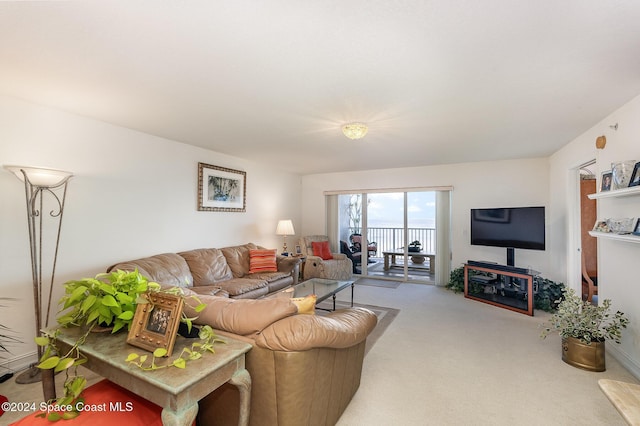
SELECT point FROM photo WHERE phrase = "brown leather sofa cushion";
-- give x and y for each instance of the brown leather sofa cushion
(168, 269)
(208, 266)
(241, 316)
(238, 258)
(339, 329)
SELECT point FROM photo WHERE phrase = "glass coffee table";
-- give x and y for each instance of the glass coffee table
(322, 288)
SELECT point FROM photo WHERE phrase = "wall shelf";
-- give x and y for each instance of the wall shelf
(630, 238)
(624, 192)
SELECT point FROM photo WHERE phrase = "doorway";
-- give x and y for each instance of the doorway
(588, 244)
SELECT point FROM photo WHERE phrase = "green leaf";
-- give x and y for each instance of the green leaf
(42, 340)
(63, 364)
(68, 415)
(109, 300)
(53, 416)
(88, 303)
(126, 315)
(49, 363)
(77, 293)
(93, 315)
(143, 358)
(160, 352)
(78, 385)
(131, 357)
(180, 363)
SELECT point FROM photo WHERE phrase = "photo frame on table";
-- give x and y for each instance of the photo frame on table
(221, 189)
(635, 176)
(605, 181)
(155, 324)
(636, 229)
(298, 250)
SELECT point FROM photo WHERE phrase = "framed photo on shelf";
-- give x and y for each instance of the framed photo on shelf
(636, 229)
(155, 323)
(605, 181)
(601, 226)
(221, 189)
(635, 176)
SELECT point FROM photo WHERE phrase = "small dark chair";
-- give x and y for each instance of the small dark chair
(356, 258)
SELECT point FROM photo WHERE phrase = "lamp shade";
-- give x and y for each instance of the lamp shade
(38, 176)
(285, 227)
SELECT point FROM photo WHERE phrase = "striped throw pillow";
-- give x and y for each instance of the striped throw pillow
(262, 261)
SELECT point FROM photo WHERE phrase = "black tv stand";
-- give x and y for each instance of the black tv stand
(505, 286)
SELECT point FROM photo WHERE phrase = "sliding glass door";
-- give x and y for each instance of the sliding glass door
(390, 235)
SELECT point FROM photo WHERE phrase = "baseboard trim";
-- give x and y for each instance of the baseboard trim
(624, 359)
(19, 362)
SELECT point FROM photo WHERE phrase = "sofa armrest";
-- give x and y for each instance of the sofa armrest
(339, 329)
(241, 316)
(289, 265)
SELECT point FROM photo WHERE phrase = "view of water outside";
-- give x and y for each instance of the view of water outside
(385, 214)
(385, 210)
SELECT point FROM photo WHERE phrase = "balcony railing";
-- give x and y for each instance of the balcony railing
(391, 239)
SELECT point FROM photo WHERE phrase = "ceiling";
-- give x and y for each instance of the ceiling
(441, 81)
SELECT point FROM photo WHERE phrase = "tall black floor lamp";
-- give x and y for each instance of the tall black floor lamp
(38, 183)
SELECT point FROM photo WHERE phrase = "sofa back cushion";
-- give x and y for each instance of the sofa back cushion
(238, 258)
(168, 269)
(208, 266)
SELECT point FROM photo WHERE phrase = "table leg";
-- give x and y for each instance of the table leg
(242, 380)
(386, 262)
(183, 418)
(353, 285)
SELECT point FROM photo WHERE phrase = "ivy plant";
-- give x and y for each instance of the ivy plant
(207, 338)
(108, 300)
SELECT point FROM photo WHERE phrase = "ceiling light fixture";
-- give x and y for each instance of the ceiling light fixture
(355, 130)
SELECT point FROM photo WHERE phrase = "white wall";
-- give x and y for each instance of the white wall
(488, 184)
(133, 195)
(617, 261)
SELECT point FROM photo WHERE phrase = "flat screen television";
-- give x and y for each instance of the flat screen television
(509, 227)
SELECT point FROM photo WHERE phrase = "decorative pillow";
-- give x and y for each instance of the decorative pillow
(306, 305)
(262, 261)
(321, 249)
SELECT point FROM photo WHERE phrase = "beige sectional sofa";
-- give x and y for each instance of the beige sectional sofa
(304, 368)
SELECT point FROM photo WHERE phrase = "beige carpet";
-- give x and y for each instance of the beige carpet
(447, 360)
(385, 317)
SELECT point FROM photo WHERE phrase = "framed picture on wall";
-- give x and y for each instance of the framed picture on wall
(635, 176)
(221, 189)
(605, 181)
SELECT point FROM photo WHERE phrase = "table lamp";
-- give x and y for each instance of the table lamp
(285, 227)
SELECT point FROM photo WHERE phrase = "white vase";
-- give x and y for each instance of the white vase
(621, 173)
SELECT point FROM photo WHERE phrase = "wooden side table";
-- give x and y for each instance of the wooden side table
(177, 390)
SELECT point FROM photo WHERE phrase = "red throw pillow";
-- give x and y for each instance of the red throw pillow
(262, 261)
(321, 249)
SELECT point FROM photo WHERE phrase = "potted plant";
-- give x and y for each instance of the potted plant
(415, 246)
(106, 302)
(584, 328)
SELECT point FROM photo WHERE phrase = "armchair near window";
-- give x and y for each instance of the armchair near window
(372, 247)
(334, 266)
